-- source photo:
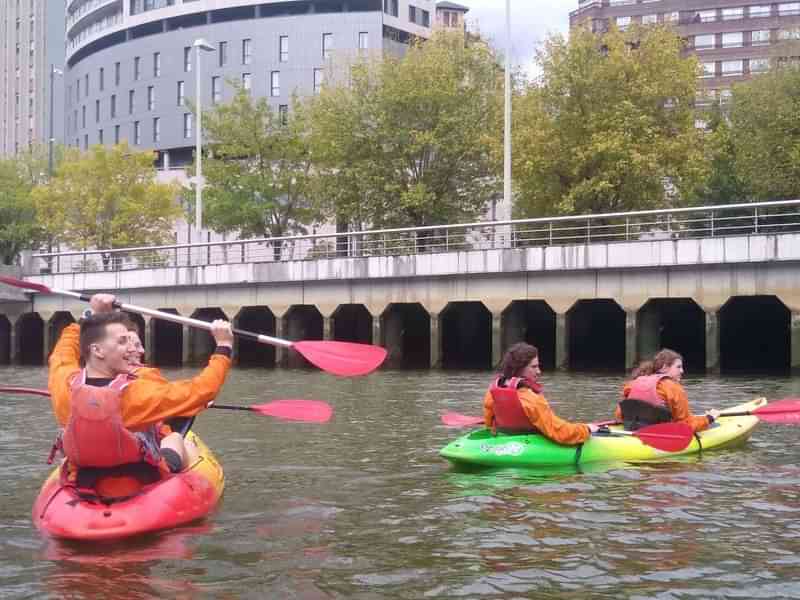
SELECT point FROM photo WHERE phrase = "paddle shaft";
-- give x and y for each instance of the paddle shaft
(256, 337)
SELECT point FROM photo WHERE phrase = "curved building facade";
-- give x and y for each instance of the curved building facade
(131, 66)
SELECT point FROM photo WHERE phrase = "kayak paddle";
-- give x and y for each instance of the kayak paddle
(780, 411)
(313, 411)
(454, 419)
(669, 437)
(339, 358)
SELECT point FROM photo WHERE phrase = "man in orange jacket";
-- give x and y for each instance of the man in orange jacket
(107, 351)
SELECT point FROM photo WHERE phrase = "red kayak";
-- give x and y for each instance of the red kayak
(179, 499)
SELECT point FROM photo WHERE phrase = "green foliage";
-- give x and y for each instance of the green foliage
(19, 229)
(609, 122)
(257, 172)
(404, 142)
(107, 198)
(765, 134)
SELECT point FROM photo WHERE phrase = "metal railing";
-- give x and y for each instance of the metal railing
(648, 225)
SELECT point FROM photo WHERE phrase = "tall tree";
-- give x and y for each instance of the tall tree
(608, 125)
(765, 133)
(19, 229)
(404, 141)
(107, 198)
(257, 172)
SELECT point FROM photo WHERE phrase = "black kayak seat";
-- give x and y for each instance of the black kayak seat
(638, 413)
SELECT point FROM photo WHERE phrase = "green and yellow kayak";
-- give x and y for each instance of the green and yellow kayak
(483, 449)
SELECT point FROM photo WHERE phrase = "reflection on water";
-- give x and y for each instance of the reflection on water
(363, 507)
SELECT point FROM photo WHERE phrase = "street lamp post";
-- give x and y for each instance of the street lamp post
(51, 138)
(507, 134)
(199, 44)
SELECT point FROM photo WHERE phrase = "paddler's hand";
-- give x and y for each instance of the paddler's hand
(222, 333)
(593, 428)
(713, 413)
(102, 303)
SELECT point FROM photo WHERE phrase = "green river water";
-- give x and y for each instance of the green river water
(363, 507)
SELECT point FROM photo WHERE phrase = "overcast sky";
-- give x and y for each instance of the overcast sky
(530, 23)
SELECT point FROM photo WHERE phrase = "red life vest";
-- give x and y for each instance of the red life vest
(644, 389)
(95, 435)
(508, 412)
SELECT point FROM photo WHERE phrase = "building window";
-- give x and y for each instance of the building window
(116, 73)
(136, 133)
(283, 114)
(181, 93)
(187, 125)
(86, 85)
(725, 96)
(708, 69)
(649, 19)
(151, 98)
(318, 80)
(275, 84)
(390, 7)
(113, 106)
(705, 16)
(97, 111)
(731, 67)
(99, 136)
(671, 17)
(623, 22)
(363, 40)
(731, 14)
(137, 72)
(412, 13)
(83, 116)
(760, 37)
(187, 59)
(763, 10)
(704, 41)
(85, 141)
(327, 45)
(101, 80)
(759, 65)
(283, 48)
(156, 129)
(247, 51)
(733, 40)
(789, 8)
(156, 64)
(789, 34)
(116, 134)
(223, 54)
(216, 91)
(131, 101)
(247, 82)
(426, 18)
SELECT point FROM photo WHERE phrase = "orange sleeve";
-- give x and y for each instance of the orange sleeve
(674, 395)
(551, 426)
(148, 400)
(488, 410)
(64, 362)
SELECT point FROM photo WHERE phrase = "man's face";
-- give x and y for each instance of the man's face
(114, 349)
(136, 350)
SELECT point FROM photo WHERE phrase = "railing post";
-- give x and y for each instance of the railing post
(627, 229)
(712, 223)
(551, 233)
(588, 230)
(756, 220)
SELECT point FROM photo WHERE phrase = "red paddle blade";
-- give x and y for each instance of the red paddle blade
(669, 437)
(782, 411)
(26, 285)
(452, 419)
(342, 358)
(314, 411)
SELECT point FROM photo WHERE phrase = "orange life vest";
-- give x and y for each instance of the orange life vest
(509, 416)
(95, 435)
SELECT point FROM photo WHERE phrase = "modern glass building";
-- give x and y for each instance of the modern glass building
(131, 64)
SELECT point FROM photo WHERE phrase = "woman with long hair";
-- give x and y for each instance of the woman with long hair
(655, 395)
(514, 402)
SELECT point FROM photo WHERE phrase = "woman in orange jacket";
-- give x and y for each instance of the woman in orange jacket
(514, 402)
(655, 395)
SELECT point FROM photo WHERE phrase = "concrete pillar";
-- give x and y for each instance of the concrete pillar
(562, 341)
(281, 353)
(149, 340)
(376, 330)
(327, 328)
(712, 341)
(497, 338)
(186, 350)
(436, 340)
(13, 340)
(630, 339)
(48, 340)
(648, 334)
(794, 332)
